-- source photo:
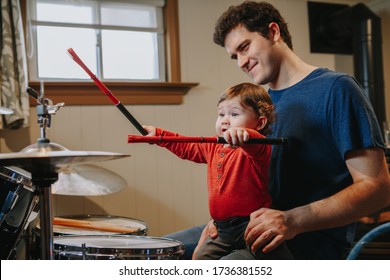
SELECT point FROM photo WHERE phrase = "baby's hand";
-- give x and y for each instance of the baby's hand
(151, 130)
(236, 136)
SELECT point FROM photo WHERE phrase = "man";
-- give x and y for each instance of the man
(333, 170)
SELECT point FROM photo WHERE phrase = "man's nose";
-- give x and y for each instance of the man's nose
(242, 61)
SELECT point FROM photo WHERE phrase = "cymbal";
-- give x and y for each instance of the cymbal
(87, 180)
(6, 111)
(50, 156)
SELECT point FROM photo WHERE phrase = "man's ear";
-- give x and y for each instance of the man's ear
(274, 31)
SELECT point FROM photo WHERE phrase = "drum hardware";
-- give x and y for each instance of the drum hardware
(44, 161)
(18, 199)
(368, 237)
(94, 225)
(130, 226)
(77, 225)
(13, 175)
(116, 247)
(84, 251)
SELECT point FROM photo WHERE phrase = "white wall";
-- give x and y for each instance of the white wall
(167, 193)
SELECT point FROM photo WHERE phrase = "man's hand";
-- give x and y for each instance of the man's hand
(267, 229)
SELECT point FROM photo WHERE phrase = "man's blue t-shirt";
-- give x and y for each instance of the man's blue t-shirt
(323, 116)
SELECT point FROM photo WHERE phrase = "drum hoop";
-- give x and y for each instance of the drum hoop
(9, 172)
(142, 231)
(99, 252)
(99, 256)
(83, 216)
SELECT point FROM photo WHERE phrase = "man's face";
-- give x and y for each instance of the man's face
(254, 54)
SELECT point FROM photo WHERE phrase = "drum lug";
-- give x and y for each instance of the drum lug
(84, 251)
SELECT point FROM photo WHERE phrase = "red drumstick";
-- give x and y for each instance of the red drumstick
(187, 139)
(108, 93)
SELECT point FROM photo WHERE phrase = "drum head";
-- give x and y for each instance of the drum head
(135, 226)
(119, 247)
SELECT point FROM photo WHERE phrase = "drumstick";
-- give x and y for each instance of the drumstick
(93, 225)
(108, 93)
(220, 140)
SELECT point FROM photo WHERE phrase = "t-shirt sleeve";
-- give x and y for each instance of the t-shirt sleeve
(351, 118)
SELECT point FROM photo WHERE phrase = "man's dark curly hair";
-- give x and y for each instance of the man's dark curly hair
(255, 17)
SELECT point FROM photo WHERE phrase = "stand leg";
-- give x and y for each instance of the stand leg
(46, 221)
(43, 182)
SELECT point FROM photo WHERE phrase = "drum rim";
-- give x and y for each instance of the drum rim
(118, 253)
(141, 232)
(80, 216)
(8, 173)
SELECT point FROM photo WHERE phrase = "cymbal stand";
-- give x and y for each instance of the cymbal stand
(43, 176)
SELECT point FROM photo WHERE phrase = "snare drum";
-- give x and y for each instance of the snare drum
(116, 247)
(134, 226)
(17, 198)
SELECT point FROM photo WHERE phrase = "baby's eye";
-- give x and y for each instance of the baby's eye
(235, 114)
(221, 115)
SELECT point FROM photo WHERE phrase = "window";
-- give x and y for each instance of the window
(118, 40)
(128, 92)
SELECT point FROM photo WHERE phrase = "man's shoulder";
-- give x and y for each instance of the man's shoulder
(329, 78)
(327, 73)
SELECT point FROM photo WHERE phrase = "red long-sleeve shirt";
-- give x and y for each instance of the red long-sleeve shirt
(237, 179)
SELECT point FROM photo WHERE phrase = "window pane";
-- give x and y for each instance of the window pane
(120, 51)
(53, 58)
(131, 15)
(64, 12)
(129, 55)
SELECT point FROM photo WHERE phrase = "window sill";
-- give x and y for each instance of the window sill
(87, 93)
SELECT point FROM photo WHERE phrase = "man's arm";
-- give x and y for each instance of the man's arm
(369, 192)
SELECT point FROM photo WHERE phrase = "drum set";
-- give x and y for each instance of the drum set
(29, 177)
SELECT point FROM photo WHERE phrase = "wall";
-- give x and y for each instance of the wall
(167, 193)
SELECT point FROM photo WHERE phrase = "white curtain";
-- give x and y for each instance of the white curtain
(13, 67)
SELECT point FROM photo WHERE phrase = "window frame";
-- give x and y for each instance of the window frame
(87, 93)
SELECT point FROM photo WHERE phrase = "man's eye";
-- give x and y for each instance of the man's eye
(243, 48)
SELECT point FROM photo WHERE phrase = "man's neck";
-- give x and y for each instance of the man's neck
(292, 71)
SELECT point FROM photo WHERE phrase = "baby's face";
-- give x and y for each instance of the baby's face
(231, 113)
